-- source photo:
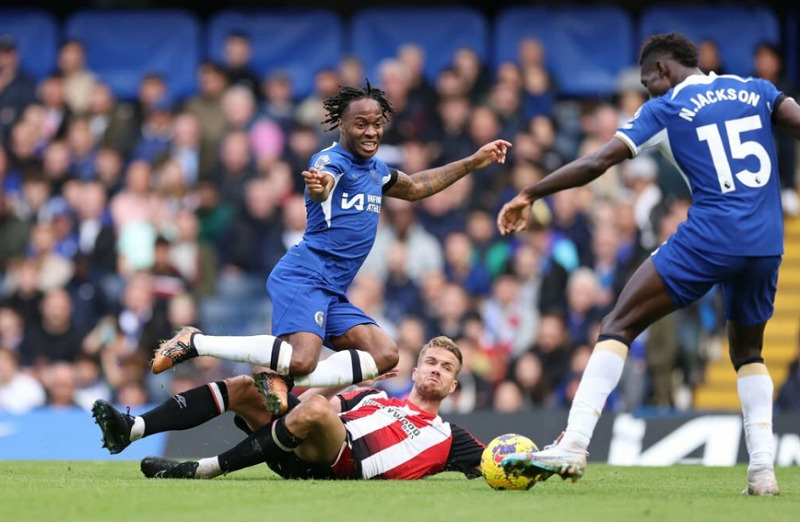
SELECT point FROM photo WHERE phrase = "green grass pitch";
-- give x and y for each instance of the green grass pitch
(117, 492)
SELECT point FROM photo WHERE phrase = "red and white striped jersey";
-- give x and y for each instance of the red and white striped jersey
(392, 439)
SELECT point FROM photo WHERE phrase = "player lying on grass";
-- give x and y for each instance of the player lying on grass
(361, 434)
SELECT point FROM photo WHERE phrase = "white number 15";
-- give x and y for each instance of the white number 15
(739, 150)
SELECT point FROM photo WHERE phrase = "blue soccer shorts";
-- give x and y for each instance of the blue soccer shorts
(302, 301)
(748, 283)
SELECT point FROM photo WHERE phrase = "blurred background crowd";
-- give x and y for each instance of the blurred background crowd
(122, 219)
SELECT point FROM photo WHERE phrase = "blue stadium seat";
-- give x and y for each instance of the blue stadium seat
(298, 42)
(122, 45)
(586, 46)
(377, 33)
(736, 30)
(36, 34)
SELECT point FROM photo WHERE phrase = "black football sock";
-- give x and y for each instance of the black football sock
(188, 409)
(266, 442)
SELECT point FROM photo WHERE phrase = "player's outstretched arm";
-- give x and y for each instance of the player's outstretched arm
(787, 116)
(514, 214)
(318, 184)
(428, 182)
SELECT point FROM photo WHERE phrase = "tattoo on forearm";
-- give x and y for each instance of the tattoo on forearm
(435, 180)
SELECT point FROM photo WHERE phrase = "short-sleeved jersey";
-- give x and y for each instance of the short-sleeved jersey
(717, 131)
(340, 231)
(393, 439)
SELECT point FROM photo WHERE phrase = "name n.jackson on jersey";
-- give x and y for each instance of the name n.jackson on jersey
(720, 139)
(341, 230)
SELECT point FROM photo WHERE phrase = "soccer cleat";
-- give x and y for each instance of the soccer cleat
(551, 460)
(275, 389)
(761, 483)
(176, 350)
(161, 468)
(115, 425)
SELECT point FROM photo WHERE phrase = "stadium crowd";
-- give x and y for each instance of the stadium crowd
(123, 219)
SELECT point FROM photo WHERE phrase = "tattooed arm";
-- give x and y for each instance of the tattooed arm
(428, 182)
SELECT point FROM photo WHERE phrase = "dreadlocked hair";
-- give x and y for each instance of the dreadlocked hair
(337, 104)
(673, 44)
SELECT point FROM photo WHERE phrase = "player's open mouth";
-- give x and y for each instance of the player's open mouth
(369, 146)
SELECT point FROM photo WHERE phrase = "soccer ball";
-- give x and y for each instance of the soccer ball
(493, 456)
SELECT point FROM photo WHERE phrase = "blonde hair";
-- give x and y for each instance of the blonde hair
(444, 343)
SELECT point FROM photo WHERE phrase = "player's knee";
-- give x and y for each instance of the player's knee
(313, 410)
(302, 364)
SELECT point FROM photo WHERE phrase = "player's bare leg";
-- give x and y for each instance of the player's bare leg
(755, 388)
(643, 300)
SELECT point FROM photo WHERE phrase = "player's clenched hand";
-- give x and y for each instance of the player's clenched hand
(514, 215)
(494, 151)
(316, 183)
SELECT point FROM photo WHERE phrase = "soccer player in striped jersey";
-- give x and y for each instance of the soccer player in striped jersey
(362, 434)
(716, 130)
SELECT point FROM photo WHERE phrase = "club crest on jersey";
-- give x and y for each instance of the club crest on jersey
(319, 318)
(322, 161)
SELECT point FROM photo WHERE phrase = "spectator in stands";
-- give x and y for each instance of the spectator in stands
(236, 55)
(509, 322)
(19, 392)
(83, 148)
(55, 338)
(264, 137)
(640, 175)
(421, 93)
(294, 220)
(412, 115)
(539, 88)
(451, 306)
(709, 59)
(156, 131)
(583, 295)
(135, 203)
(310, 111)
(570, 221)
(194, 259)
(12, 327)
(463, 267)
(78, 79)
(504, 99)
(56, 165)
(423, 252)
(213, 213)
(153, 89)
(527, 373)
(60, 384)
(206, 106)
(768, 64)
(22, 152)
(508, 398)
(186, 147)
(56, 112)
(235, 168)
(552, 349)
(278, 105)
(89, 382)
(252, 244)
(114, 124)
(167, 281)
(366, 293)
(351, 72)
(17, 88)
(302, 144)
(452, 130)
(472, 74)
(401, 292)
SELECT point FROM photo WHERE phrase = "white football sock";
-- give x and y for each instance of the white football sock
(137, 430)
(261, 350)
(208, 468)
(755, 393)
(340, 369)
(599, 379)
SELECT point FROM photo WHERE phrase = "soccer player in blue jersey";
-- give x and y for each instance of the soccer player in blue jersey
(716, 130)
(345, 184)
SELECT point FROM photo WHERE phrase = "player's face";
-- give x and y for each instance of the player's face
(361, 127)
(655, 79)
(435, 374)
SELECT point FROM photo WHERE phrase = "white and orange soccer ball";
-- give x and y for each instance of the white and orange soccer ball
(493, 456)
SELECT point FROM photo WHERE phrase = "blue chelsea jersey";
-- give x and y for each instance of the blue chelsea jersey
(340, 231)
(717, 131)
